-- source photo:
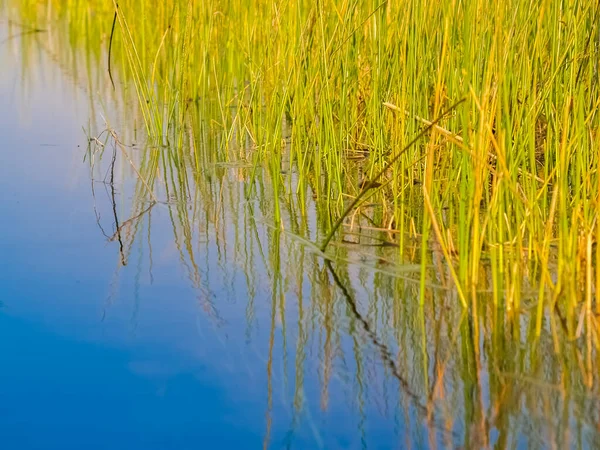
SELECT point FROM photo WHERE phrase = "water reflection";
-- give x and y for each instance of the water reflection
(163, 272)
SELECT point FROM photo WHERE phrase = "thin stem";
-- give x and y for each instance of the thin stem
(372, 183)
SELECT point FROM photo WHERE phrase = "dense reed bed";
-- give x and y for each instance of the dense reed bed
(257, 123)
(335, 90)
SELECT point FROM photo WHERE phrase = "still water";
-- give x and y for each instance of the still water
(193, 322)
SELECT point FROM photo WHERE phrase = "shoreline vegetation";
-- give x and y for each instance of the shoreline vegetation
(259, 120)
(327, 97)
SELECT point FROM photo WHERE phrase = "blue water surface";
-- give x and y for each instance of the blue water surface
(96, 355)
(72, 375)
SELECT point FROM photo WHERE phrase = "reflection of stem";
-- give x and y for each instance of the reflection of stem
(269, 419)
(114, 205)
(386, 355)
(328, 349)
(440, 367)
(122, 147)
(130, 221)
(385, 352)
(360, 393)
(300, 358)
(150, 248)
(96, 213)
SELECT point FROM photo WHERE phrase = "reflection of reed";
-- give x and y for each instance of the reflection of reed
(447, 377)
(455, 377)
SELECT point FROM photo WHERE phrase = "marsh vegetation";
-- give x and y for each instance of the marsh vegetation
(464, 136)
